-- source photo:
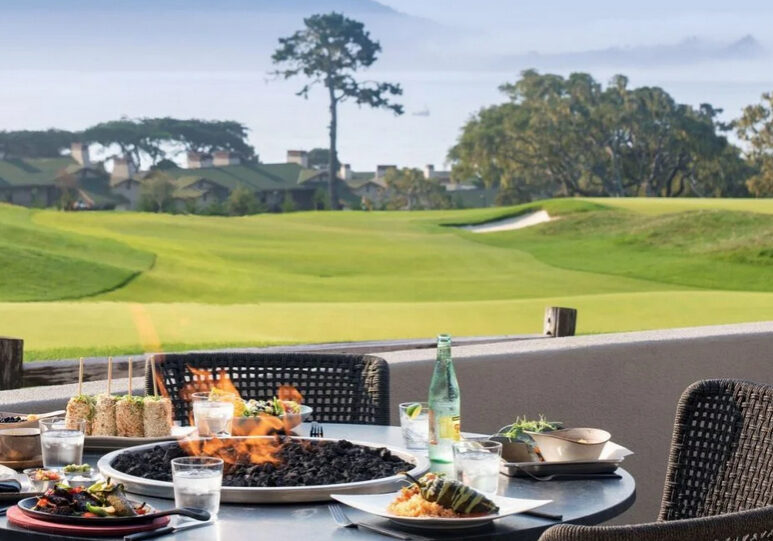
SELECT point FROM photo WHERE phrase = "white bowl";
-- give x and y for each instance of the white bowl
(579, 444)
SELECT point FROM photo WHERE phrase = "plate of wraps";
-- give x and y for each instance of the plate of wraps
(114, 422)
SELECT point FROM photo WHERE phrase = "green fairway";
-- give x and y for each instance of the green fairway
(146, 281)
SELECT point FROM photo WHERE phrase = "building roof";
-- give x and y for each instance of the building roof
(256, 176)
(35, 171)
(356, 183)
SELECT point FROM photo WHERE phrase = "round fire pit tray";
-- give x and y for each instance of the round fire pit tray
(294, 494)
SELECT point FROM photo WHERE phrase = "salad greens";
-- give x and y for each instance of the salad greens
(275, 407)
(516, 430)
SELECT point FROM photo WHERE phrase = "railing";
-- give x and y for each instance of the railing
(14, 374)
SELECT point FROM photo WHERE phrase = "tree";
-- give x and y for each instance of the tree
(35, 144)
(755, 128)
(288, 204)
(207, 136)
(409, 189)
(319, 158)
(572, 136)
(242, 201)
(156, 138)
(156, 191)
(328, 51)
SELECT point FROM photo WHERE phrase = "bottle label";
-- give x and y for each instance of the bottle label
(444, 428)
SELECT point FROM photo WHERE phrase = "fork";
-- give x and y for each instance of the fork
(343, 521)
(316, 431)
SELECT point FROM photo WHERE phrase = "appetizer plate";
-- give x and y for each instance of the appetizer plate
(112, 443)
(376, 504)
(242, 426)
(27, 506)
(611, 457)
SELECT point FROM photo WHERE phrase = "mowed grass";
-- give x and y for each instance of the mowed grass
(40, 263)
(196, 282)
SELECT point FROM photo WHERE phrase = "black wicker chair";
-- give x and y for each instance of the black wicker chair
(719, 483)
(340, 388)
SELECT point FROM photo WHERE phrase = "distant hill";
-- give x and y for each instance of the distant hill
(687, 51)
(275, 6)
(181, 34)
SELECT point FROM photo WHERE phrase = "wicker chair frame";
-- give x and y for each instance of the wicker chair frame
(340, 388)
(719, 483)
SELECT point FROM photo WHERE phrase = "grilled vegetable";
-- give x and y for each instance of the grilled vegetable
(100, 511)
(114, 497)
(453, 495)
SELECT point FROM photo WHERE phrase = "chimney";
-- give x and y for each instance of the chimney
(382, 169)
(429, 171)
(224, 158)
(80, 153)
(301, 157)
(345, 171)
(123, 168)
(197, 160)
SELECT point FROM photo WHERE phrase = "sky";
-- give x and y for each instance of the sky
(73, 66)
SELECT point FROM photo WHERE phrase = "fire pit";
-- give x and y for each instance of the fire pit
(269, 470)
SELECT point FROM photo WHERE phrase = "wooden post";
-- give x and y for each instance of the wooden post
(11, 356)
(560, 321)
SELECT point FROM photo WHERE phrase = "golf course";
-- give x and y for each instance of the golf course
(98, 283)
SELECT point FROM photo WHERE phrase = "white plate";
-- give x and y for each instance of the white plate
(376, 504)
(111, 443)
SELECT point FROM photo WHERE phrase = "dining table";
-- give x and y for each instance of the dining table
(579, 501)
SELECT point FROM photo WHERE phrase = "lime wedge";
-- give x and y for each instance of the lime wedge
(413, 411)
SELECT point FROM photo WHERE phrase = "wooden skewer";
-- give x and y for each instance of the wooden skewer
(130, 375)
(109, 374)
(153, 373)
(80, 377)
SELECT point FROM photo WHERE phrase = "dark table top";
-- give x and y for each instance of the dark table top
(579, 501)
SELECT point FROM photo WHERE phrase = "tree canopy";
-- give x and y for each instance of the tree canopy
(328, 52)
(755, 128)
(573, 136)
(35, 144)
(409, 189)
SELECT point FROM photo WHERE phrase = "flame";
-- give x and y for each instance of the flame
(258, 438)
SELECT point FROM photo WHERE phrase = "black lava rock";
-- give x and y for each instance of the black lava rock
(300, 464)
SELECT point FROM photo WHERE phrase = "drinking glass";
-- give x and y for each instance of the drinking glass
(61, 445)
(476, 463)
(197, 481)
(212, 417)
(414, 421)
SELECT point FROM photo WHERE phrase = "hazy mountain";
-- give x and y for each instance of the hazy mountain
(180, 34)
(266, 6)
(688, 51)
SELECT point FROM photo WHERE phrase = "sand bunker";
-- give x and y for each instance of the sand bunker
(516, 222)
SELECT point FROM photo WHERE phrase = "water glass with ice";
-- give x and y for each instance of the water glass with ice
(197, 481)
(212, 417)
(476, 463)
(414, 422)
(60, 442)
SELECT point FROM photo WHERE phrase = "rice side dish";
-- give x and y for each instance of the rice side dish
(410, 503)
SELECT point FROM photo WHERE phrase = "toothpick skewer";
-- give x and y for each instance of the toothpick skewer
(130, 375)
(109, 374)
(80, 377)
(153, 373)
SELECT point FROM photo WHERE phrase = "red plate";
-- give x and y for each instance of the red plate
(19, 519)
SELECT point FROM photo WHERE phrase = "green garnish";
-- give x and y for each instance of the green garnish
(413, 411)
(516, 430)
(77, 468)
